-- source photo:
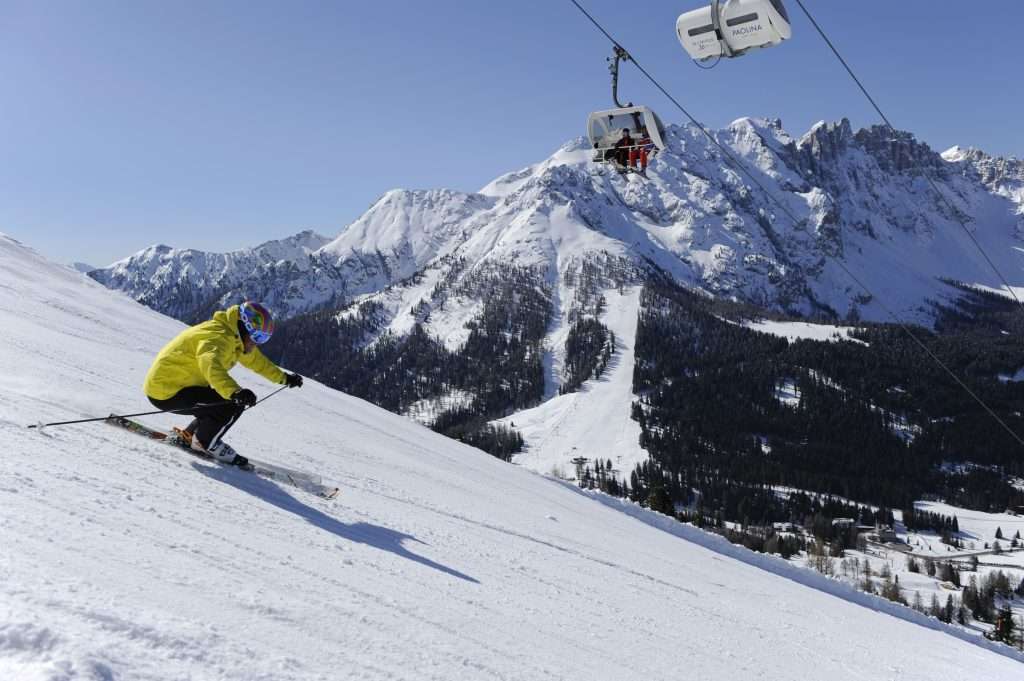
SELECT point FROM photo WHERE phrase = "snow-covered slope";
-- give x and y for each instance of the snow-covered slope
(127, 559)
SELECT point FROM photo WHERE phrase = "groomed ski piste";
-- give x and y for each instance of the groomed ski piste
(595, 421)
(125, 559)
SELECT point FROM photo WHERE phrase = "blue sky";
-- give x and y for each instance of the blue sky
(219, 125)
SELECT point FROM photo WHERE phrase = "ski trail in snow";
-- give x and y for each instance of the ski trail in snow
(594, 422)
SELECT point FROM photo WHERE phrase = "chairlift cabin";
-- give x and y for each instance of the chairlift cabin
(732, 28)
(606, 129)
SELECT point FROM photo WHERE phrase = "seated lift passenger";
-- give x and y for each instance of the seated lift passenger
(641, 151)
(624, 148)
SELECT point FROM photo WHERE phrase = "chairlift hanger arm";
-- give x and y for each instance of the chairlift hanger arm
(613, 66)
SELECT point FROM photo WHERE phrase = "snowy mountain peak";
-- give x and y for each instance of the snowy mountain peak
(1002, 175)
(825, 136)
(413, 223)
(306, 240)
(152, 251)
(955, 153)
(766, 128)
(855, 195)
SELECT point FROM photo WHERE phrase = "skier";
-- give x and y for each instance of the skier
(190, 375)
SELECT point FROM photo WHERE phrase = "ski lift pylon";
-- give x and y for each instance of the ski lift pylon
(732, 28)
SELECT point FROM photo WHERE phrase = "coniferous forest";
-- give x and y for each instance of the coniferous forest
(728, 412)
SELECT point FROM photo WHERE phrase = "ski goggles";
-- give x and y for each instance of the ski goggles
(258, 337)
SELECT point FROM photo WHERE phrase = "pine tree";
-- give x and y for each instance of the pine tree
(659, 500)
(1001, 584)
(891, 591)
(947, 612)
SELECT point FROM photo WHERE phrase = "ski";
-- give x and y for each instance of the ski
(306, 482)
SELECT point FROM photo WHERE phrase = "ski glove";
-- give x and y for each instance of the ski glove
(293, 380)
(244, 397)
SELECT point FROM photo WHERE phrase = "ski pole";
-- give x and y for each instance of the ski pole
(150, 413)
(125, 416)
(283, 387)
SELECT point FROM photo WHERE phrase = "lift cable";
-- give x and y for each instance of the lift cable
(732, 158)
(935, 187)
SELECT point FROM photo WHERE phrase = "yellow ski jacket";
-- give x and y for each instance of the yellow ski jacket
(202, 355)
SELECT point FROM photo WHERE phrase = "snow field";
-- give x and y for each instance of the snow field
(976, 529)
(795, 330)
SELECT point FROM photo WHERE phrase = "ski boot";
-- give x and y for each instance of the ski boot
(221, 453)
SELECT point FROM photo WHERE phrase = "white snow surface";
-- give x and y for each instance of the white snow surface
(795, 330)
(977, 526)
(125, 559)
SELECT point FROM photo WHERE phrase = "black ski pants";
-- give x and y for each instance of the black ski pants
(211, 422)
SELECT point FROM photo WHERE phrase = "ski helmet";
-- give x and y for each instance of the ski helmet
(257, 321)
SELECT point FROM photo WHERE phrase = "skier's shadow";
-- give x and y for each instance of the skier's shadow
(376, 536)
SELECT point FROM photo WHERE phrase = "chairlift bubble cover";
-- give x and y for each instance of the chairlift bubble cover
(745, 25)
(604, 128)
